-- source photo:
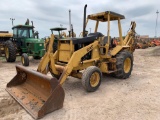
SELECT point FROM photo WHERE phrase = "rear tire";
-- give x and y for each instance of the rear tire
(10, 51)
(124, 64)
(91, 78)
(25, 59)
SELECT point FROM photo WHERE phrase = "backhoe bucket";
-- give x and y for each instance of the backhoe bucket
(36, 92)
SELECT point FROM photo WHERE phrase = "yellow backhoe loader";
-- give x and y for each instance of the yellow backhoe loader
(85, 58)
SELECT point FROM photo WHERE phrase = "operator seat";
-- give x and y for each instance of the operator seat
(103, 42)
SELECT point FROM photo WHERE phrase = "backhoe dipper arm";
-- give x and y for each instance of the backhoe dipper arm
(130, 34)
(75, 60)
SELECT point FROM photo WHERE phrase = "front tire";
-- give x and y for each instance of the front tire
(10, 51)
(124, 64)
(91, 78)
(54, 75)
(25, 59)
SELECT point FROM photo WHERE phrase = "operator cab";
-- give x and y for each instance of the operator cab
(68, 45)
(23, 31)
(106, 16)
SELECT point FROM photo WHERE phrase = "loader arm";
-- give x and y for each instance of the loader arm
(75, 60)
(43, 65)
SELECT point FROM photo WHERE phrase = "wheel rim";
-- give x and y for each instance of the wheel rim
(7, 52)
(94, 79)
(22, 59)
(127, 65)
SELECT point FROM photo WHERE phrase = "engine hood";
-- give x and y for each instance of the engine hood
(34, 40)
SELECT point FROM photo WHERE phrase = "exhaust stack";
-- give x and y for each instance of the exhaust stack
(84, 20)
(70, 23)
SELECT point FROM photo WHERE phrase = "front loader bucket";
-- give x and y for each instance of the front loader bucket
(36, 92)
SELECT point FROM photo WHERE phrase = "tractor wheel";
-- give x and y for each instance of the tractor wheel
(10, 51)
(91, 78)
(25, 59)
(124, 64)
(54, 75)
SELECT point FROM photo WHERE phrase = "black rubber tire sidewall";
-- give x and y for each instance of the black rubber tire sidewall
(26, 59)
(12, 51)
(121, 57)
(86, 78)
(54, 75)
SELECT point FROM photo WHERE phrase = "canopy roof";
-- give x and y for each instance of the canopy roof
(24, 26)
(103, 16)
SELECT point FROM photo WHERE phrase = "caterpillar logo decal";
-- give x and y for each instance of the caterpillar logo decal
(90, 48)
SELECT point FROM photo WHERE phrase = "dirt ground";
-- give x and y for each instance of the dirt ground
(136, 98)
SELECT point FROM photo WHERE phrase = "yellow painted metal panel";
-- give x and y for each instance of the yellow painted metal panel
(64, 56)
(6, 35)
(64, 46)
(116, 50)
(104, 67)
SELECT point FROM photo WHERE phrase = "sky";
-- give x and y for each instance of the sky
(47, 14)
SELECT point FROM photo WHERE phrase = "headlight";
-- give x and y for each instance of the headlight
(40, 44)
